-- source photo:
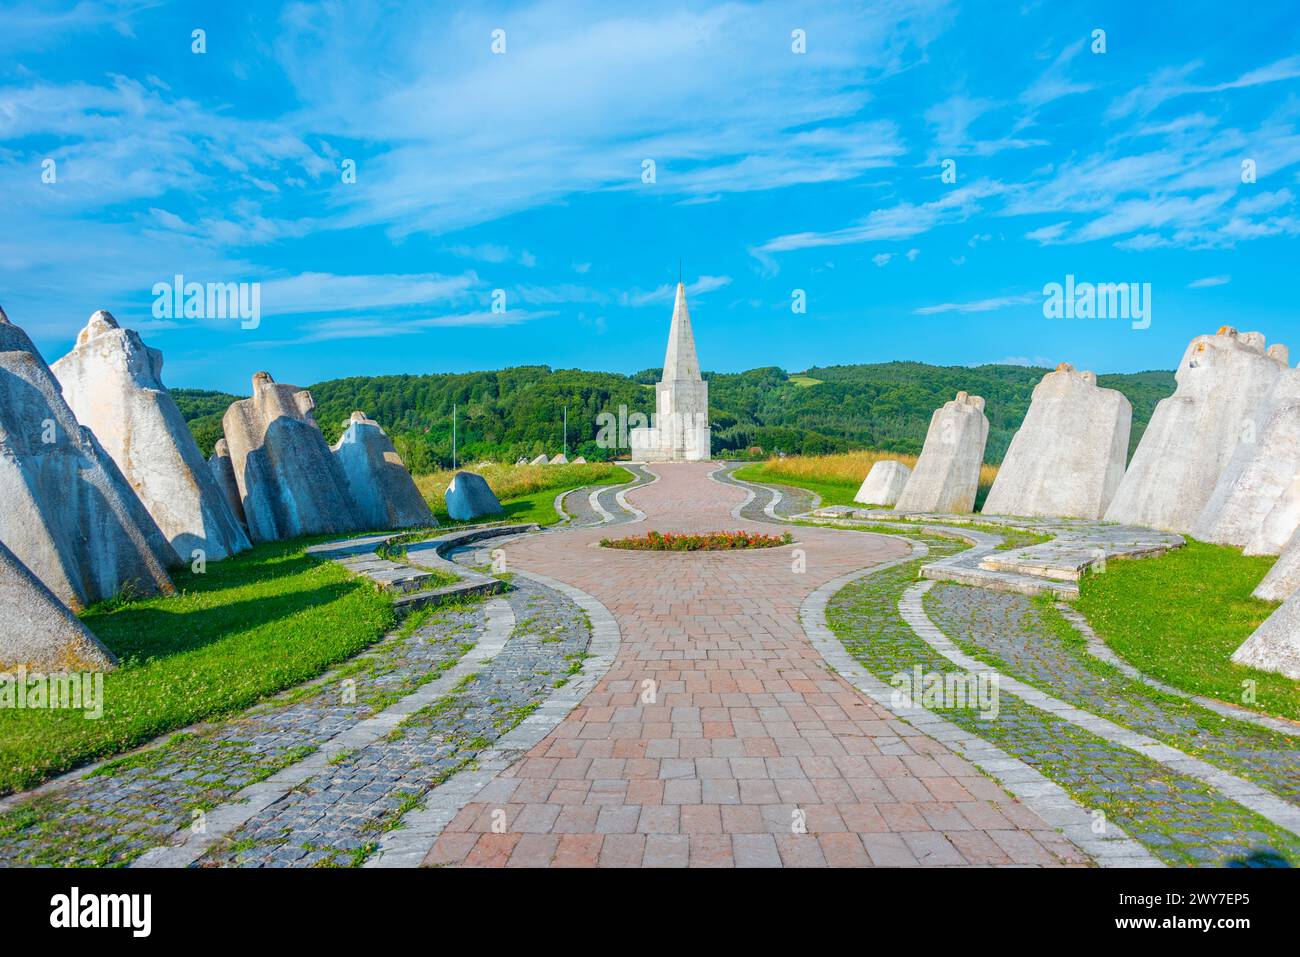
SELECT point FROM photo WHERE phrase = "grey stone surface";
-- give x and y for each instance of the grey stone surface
(1067, 458)
(289, 482)
(946, 476)
(1281, 522)
(560, 459)
(884, 483)
(540, 460)
(39, 631)
(223, 473)
(1263, 467)
(68, 513)
(384, 492)
(1221, 379)
(468, 496)
(1275, 645)
(113, 383)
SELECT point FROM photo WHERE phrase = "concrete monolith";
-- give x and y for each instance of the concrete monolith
(560, 459)
(382, 488)
(113, 383)
(39, 632)
(1263, 466)
(947, 475)
(468, 496)
(1283, 579)
(540, 460)
(289, 482)
(1275, 645)
(1192, 434)
(1067, 458)
(223, 473)
(66, 511)
(884, 483)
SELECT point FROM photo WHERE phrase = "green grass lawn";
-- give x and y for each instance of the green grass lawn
(832, 493)
(252, 625)
(1179, 618)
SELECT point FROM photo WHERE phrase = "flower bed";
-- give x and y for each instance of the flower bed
(708, 542)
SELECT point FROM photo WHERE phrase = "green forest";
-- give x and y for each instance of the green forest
(509, 413)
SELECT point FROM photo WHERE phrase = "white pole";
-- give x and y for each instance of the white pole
(453, 435)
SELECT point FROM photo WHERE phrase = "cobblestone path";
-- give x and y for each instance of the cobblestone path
(719, 737)
(140, 801)
(607, 510)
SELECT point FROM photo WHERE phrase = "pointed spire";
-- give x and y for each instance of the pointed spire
(680, 361)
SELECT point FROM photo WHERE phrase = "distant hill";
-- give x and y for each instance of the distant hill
(513, 412)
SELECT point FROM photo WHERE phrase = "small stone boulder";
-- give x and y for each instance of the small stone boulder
(113, 383)
(1067, 458)
(289, 482)
(469, 496)
(1192, 434)
(947, 475)
(382, 488)
(39, 632)
(560, 459)
(579, 461)
(884, 483)
(66, 511)
(522, 460)
(1275, 645)
(540, 460)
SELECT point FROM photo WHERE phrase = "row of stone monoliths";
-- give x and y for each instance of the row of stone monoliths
(1220, 461)
(104, 487)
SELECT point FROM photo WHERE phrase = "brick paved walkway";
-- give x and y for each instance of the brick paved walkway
(719, 737)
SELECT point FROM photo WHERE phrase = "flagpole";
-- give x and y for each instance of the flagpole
(453, 435)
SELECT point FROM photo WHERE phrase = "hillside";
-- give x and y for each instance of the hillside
(512, 412)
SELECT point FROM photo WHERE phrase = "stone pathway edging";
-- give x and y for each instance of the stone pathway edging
(408, 845)
(188, 847)
(1243, 792)
(621, 495)
(1103, 652)
(1041, 795)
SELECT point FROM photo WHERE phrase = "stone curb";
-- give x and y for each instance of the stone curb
(187, 847)
(408, 845)
(1040, 794)
(1245, 793)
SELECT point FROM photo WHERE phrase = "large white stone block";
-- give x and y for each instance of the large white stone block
(1192, 434)
(66, 511)
(223, 473)
(1067, 458)
(1281, 522)
(289, 481)
(1275, 645)
(113, 383)
(1263, 466)
(1283, 578)
(38, 630)
(382, 488)
(884, 483)
(947, 475)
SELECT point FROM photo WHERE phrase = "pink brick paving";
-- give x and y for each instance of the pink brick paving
(747, 724)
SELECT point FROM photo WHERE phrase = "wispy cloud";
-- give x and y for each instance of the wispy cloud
(1209, 281)
(979, 305)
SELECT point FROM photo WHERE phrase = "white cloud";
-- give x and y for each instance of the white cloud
(665, 293)
(882, 259)
(1209, 281)
(980, 305)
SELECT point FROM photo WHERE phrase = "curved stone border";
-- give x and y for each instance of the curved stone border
(1245, 793)
(187, 847)
(752, 489)
(1041, 795)
(408, 845)
(621, 495)
(558, 505)
(1102, 651)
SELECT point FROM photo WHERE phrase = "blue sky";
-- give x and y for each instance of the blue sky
(523, 171)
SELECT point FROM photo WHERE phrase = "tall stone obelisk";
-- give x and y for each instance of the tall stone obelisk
(680, 431)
